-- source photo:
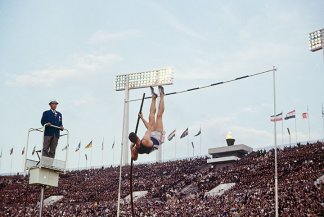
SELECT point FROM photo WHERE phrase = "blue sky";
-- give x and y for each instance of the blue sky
(72, 50)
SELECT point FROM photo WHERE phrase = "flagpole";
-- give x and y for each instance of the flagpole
(175, 145)
(0, 160)
(187, 145)
(193, 151)
(296, 126)
(113, 157)
(323, 120)
(308, 117)
(275, 144)
(11, 164)
(102, 158)
(91, 158)
(200, 142)
(282, 132)
(23, 163)
(79, 160)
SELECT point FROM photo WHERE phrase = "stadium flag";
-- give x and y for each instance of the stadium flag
(86, 156)
(11, 151)
(290, 115)
(1, 154)
(288, 131)
(172, 135)
(113, 145)
(63, 149)
(305, 115)
(34, 150)
(89, 145)
(185, 133)
(277, 117)
(78, 147)
(102, 144)
(192, 145)
(198, 133)
(322, 111)
(23, 151)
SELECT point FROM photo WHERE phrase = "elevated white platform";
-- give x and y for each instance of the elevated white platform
(136, 196)
(219, 190)
(48, 163)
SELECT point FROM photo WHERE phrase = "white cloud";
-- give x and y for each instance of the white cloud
(103, 36)
(81, 64)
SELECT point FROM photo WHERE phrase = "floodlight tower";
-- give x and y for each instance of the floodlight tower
(316, 41)
(138, 80)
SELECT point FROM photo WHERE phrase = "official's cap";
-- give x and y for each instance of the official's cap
(53, 102)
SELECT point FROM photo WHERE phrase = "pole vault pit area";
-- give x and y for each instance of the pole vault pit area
(227, 155)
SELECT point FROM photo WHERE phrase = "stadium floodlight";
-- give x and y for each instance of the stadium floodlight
(144, 79)
(316, 41)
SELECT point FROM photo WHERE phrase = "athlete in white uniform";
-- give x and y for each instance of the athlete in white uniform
(154, 135)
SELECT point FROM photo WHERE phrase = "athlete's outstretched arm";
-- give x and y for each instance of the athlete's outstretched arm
(144, 121)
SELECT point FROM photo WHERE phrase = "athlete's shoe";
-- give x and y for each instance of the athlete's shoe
(152, 92)
(161, 89)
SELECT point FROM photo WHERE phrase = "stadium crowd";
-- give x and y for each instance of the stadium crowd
(177, 188)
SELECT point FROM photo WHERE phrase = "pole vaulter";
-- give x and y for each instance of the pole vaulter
(153, 139)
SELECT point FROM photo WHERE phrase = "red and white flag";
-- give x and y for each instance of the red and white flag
(277, 117)
(305, 115)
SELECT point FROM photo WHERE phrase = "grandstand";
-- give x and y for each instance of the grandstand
(178, 188)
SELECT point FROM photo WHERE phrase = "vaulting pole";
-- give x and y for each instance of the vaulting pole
(131, 169)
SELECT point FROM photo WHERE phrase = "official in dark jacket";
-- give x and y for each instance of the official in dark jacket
(51, 118)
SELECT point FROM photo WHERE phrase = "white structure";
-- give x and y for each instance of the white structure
(228, 154)
(136, 196)
(52, 199)
(219, 190)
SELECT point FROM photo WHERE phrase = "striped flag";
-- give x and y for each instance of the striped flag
(198, 133)
(23, 151)
(277, 117)
(185, 133)
(78, 147)
(89, 145)
(290, 115)
(34, 150)
(172, 135)
(11, 151)
(65, 148)
(288, 131)
(102, 144)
